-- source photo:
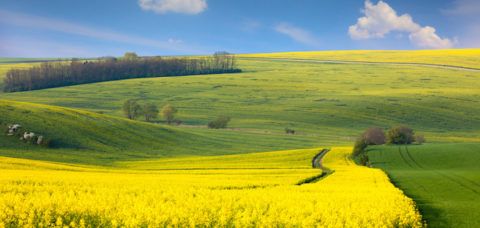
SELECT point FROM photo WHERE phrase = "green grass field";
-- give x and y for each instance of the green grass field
(312, 98)
(444, 179)
(91, 138)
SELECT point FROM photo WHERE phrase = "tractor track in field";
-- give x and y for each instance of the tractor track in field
(366, 62)
(403, 157)
(317, 164)
(442, 174)
(413, 160)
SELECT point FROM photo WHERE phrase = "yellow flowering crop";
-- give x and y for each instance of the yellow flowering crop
(41, 194)
(469, 58)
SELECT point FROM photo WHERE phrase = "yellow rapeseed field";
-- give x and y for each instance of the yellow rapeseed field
(469, 58)
(41, 194)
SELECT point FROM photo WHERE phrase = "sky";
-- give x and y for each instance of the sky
(94, 28)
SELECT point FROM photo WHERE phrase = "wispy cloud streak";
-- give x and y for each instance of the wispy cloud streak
(296, 33)
(23, 20)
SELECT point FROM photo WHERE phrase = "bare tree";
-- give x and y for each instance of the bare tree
(374, 135)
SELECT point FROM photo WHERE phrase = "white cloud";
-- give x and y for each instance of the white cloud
(176, 6)
(381, 19)
(426, 38)
(296, 33)
(34, 22)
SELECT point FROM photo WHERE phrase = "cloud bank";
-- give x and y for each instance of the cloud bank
(296, 33)
(175, 6)
(381, 19)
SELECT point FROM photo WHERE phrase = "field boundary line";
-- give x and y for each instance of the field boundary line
(366, 62)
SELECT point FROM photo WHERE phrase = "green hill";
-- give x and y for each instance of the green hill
(444, 179)
(310, 97)
(92, 138)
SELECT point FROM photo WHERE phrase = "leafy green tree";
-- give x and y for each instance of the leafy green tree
(131, 109)
(150, 111)
(168, 113)
(219, 122)
(400, 135)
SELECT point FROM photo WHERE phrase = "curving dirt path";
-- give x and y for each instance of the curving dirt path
(317, 160)
(365, 62)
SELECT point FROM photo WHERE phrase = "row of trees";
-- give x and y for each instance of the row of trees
(56, 74)
(132, 110)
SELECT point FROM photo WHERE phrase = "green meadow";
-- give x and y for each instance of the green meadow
(312, 98)
(91, 138)
(443, 179)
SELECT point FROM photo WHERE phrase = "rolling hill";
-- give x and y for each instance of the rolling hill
(92, 138)
(329, 99)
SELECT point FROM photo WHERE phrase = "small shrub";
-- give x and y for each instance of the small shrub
(219, 122)
(420, 139)
(289, 131)
(363, 159)
(400, 135)
(360, 145)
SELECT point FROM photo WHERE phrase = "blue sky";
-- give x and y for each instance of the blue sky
(88, 28)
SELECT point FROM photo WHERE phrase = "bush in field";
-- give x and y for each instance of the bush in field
(168, 113)
(131, 109)
(219, 122)
(400, 135)
(363, 159)
(289, 131)
(374, 136)
(420, 139)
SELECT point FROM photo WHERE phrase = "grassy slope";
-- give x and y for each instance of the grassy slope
(314, 98)
(91, 138)
(469, 58)
(444, 180)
